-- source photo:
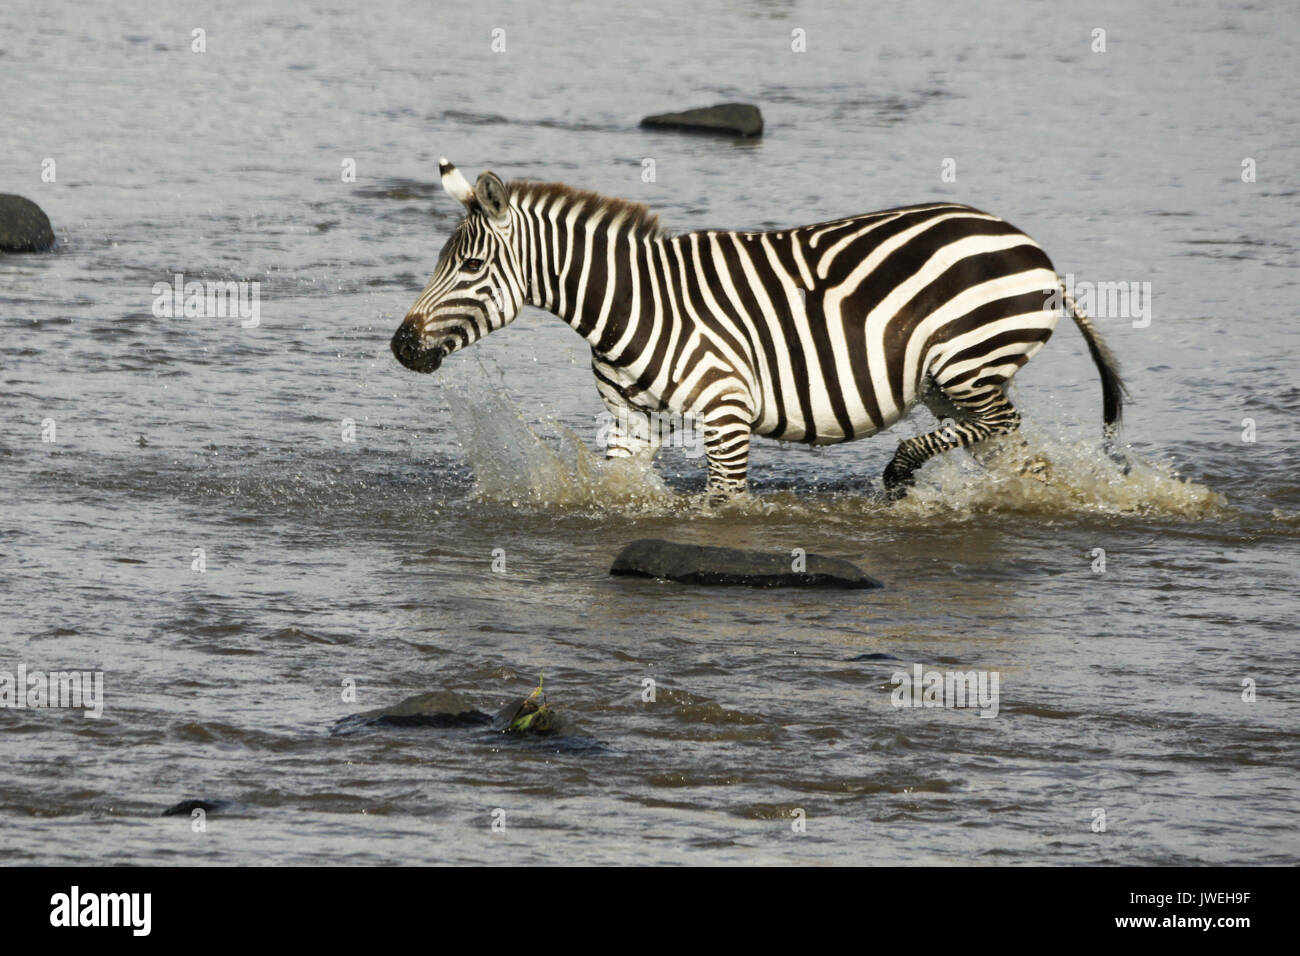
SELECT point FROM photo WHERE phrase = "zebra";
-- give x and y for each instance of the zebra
(819, 334)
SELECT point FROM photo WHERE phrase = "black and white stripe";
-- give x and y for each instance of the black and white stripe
(820, 334)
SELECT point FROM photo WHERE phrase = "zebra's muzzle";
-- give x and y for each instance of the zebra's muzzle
(410, 351)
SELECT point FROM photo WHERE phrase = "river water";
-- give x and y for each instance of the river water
(347, 514)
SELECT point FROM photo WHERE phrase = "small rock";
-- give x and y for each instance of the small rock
(705, 564)
(23, 226)
(742, 119)
(187, 807)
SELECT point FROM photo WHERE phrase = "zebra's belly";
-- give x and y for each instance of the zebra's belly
(825, 427)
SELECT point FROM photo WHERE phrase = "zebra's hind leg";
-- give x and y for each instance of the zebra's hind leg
(1032, 465)
(975, 418)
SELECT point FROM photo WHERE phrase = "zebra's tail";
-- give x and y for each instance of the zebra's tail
(1112, 386)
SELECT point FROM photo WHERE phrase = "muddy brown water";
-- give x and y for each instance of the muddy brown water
(369, 563)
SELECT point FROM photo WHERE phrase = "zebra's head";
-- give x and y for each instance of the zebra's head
(477, 286)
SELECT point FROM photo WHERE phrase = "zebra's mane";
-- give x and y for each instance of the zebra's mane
(526, 193)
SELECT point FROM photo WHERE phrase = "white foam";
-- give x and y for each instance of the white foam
(547, 466)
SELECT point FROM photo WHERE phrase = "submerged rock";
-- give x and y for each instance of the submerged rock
(187, 807)
(705, 564)
(24, 227)
(436, 709)
(741, 119)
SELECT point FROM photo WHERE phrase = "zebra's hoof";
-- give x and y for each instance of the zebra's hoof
(896, 493)
(897, 480)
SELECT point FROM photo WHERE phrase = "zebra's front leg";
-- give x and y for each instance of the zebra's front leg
(630, 434)
(726, 444)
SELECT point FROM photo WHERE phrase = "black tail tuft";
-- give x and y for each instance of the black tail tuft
(1113, 391)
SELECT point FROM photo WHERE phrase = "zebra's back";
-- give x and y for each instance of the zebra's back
(842, 322)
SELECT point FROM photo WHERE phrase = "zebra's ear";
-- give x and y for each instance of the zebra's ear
(493, 196)
(455, 183)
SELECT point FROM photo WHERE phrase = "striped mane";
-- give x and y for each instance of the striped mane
(527, 193)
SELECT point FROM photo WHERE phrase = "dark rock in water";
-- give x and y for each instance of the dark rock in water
(704, 564)
(187, 807)
(874, 657)
(440, 709)
(444, 710)
(742, 119)
(23, 226)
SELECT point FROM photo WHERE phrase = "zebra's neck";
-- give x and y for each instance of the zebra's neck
(588, 259)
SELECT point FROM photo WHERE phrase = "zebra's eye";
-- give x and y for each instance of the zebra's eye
(471, 265)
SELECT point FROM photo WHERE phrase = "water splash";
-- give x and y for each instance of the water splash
(547, 466)
(1082, 480)
(544, 465)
